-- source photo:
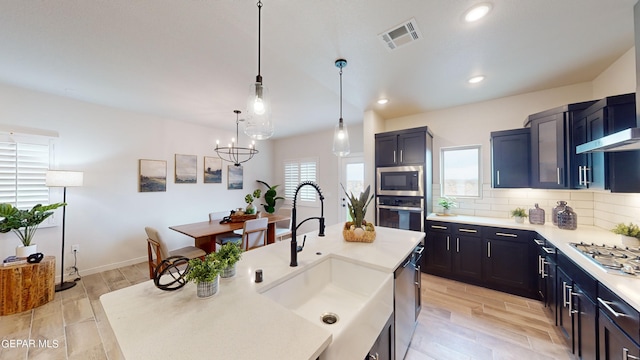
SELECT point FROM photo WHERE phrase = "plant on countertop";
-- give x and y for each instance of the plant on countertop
(249, 200)
(204, 270)
(228, 254)
(447, 202)
(358, 208)
(24, 223)
(270, 197)
(519, 212)
(627, 230)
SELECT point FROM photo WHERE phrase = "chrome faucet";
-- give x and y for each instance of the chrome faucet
(294, 228)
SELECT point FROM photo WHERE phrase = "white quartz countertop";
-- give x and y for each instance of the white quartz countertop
(627, 287)
(238, 322)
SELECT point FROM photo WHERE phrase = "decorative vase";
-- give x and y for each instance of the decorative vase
(206, 289)
(229, 271)
(25, 251)
(567, 219)
(536, 215)
(554, 212)
(519, 219)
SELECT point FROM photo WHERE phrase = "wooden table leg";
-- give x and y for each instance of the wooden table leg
(206, 243)
(271, 233)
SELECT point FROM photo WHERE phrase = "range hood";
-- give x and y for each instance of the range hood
(628, 139)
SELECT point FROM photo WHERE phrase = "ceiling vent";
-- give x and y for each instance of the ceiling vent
(401, 35)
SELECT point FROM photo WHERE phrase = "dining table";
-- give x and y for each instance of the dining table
(204, 233)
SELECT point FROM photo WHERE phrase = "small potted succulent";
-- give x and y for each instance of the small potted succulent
(359, 230)
(447, 204)
(249, 198)
(228, 255)
(206, 274)
(629, 234)
(24, 224)
(519, 214)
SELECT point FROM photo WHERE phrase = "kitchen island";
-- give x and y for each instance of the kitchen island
(239, 322)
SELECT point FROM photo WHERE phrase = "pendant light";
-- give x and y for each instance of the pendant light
(258, 124)
(234, 153)
(341, 135)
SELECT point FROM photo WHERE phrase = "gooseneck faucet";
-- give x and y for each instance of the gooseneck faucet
(294, 226)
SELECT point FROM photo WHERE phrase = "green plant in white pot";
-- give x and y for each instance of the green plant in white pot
(206, 274)
(629, 234)
(519, 214)
(24, 224)
(228, 255)
(447, 204)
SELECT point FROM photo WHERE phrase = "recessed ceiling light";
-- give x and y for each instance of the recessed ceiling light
(476, 79)
(383, 101)
(477, 12)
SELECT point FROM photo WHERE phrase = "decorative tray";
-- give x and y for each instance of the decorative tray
(243, 218)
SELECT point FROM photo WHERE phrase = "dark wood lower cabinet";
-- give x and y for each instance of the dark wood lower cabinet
(467, 257)
(383, 347)
(437, 258)
(585, 313)
(614, 343)
(506, 263)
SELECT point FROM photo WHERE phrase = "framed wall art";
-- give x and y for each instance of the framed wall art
(212, 170)
(186, 169)
(234, 177)
(152, 175)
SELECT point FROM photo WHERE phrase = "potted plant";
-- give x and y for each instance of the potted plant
(270, 197)
(250, 209)
(628, 233)
(228, 255)
(519, 214)
(447, 204)
(24, 224)
(206, 274)
(359, 230)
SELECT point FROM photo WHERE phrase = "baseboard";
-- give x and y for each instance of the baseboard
(99, 269)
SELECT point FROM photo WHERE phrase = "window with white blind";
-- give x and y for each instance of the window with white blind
(295, 172)
(24, 161)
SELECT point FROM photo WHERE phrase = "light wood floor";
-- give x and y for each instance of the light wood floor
(457, 321)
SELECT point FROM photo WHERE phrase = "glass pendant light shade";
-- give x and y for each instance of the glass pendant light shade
(341, 145)
(258, 125)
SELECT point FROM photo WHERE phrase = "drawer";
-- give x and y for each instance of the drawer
(467, 230)
(504, 234)
(439, 226)
(621, 313)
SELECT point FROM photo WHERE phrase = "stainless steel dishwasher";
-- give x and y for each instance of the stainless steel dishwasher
(407, 300)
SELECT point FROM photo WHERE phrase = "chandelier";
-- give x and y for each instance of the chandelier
(233, 153)
(258, 124)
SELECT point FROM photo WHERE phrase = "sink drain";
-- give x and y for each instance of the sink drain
(329, 318)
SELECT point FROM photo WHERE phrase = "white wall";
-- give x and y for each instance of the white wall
(317, 145)
(107, 216)
(618, 79)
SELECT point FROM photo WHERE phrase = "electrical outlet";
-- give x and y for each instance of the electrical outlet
(75, 248)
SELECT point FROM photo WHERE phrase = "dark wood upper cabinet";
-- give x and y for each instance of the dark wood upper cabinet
(511, 158)
(404, 147)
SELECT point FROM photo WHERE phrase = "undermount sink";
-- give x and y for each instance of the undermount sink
(355, 301)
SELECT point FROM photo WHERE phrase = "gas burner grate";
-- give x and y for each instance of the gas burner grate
(625, 261)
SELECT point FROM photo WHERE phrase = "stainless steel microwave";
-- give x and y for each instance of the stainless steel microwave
(400, 181)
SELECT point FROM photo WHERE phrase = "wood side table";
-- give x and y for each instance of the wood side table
(26, 286)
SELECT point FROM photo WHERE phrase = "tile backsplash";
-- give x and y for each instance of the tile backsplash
(599, 208)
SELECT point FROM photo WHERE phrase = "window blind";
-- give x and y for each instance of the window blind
(23, 168)
(295, 172)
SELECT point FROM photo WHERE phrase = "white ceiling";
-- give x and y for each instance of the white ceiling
(193, 60)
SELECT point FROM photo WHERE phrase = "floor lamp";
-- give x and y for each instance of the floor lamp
(64, 179)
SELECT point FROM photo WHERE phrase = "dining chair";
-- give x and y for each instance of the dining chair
(157, 250)
(254, 234)
(283, 227)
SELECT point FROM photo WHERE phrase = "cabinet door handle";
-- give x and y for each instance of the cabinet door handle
(394, 156)
(538, 242)
(447, 242)
(468, 231)
(497, 177)
(457, 244)
(539, 265)
(543, 274)
(374, 357)
(549, 250)
(626, 356)
(401, 157)
(507, 235)
(580, 175)
(558, 175)
(438, 227)
(566, 289)
(571, 309)
(586, 179)
(417, 282)
(607, 306)
(488, 248)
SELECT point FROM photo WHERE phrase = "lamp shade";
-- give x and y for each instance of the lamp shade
(63, 178)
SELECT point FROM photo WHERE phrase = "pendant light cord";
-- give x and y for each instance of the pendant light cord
(340, 93)
(259, 77)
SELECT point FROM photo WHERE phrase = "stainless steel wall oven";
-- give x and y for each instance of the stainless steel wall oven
(400, 212)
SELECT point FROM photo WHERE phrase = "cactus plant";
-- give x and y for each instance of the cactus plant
(358, 205)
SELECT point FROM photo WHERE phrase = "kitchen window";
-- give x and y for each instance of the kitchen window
(295, 172)
(460, 171)
(24, 161)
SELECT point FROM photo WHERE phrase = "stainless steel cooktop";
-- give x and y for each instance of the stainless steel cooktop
(617, 260)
